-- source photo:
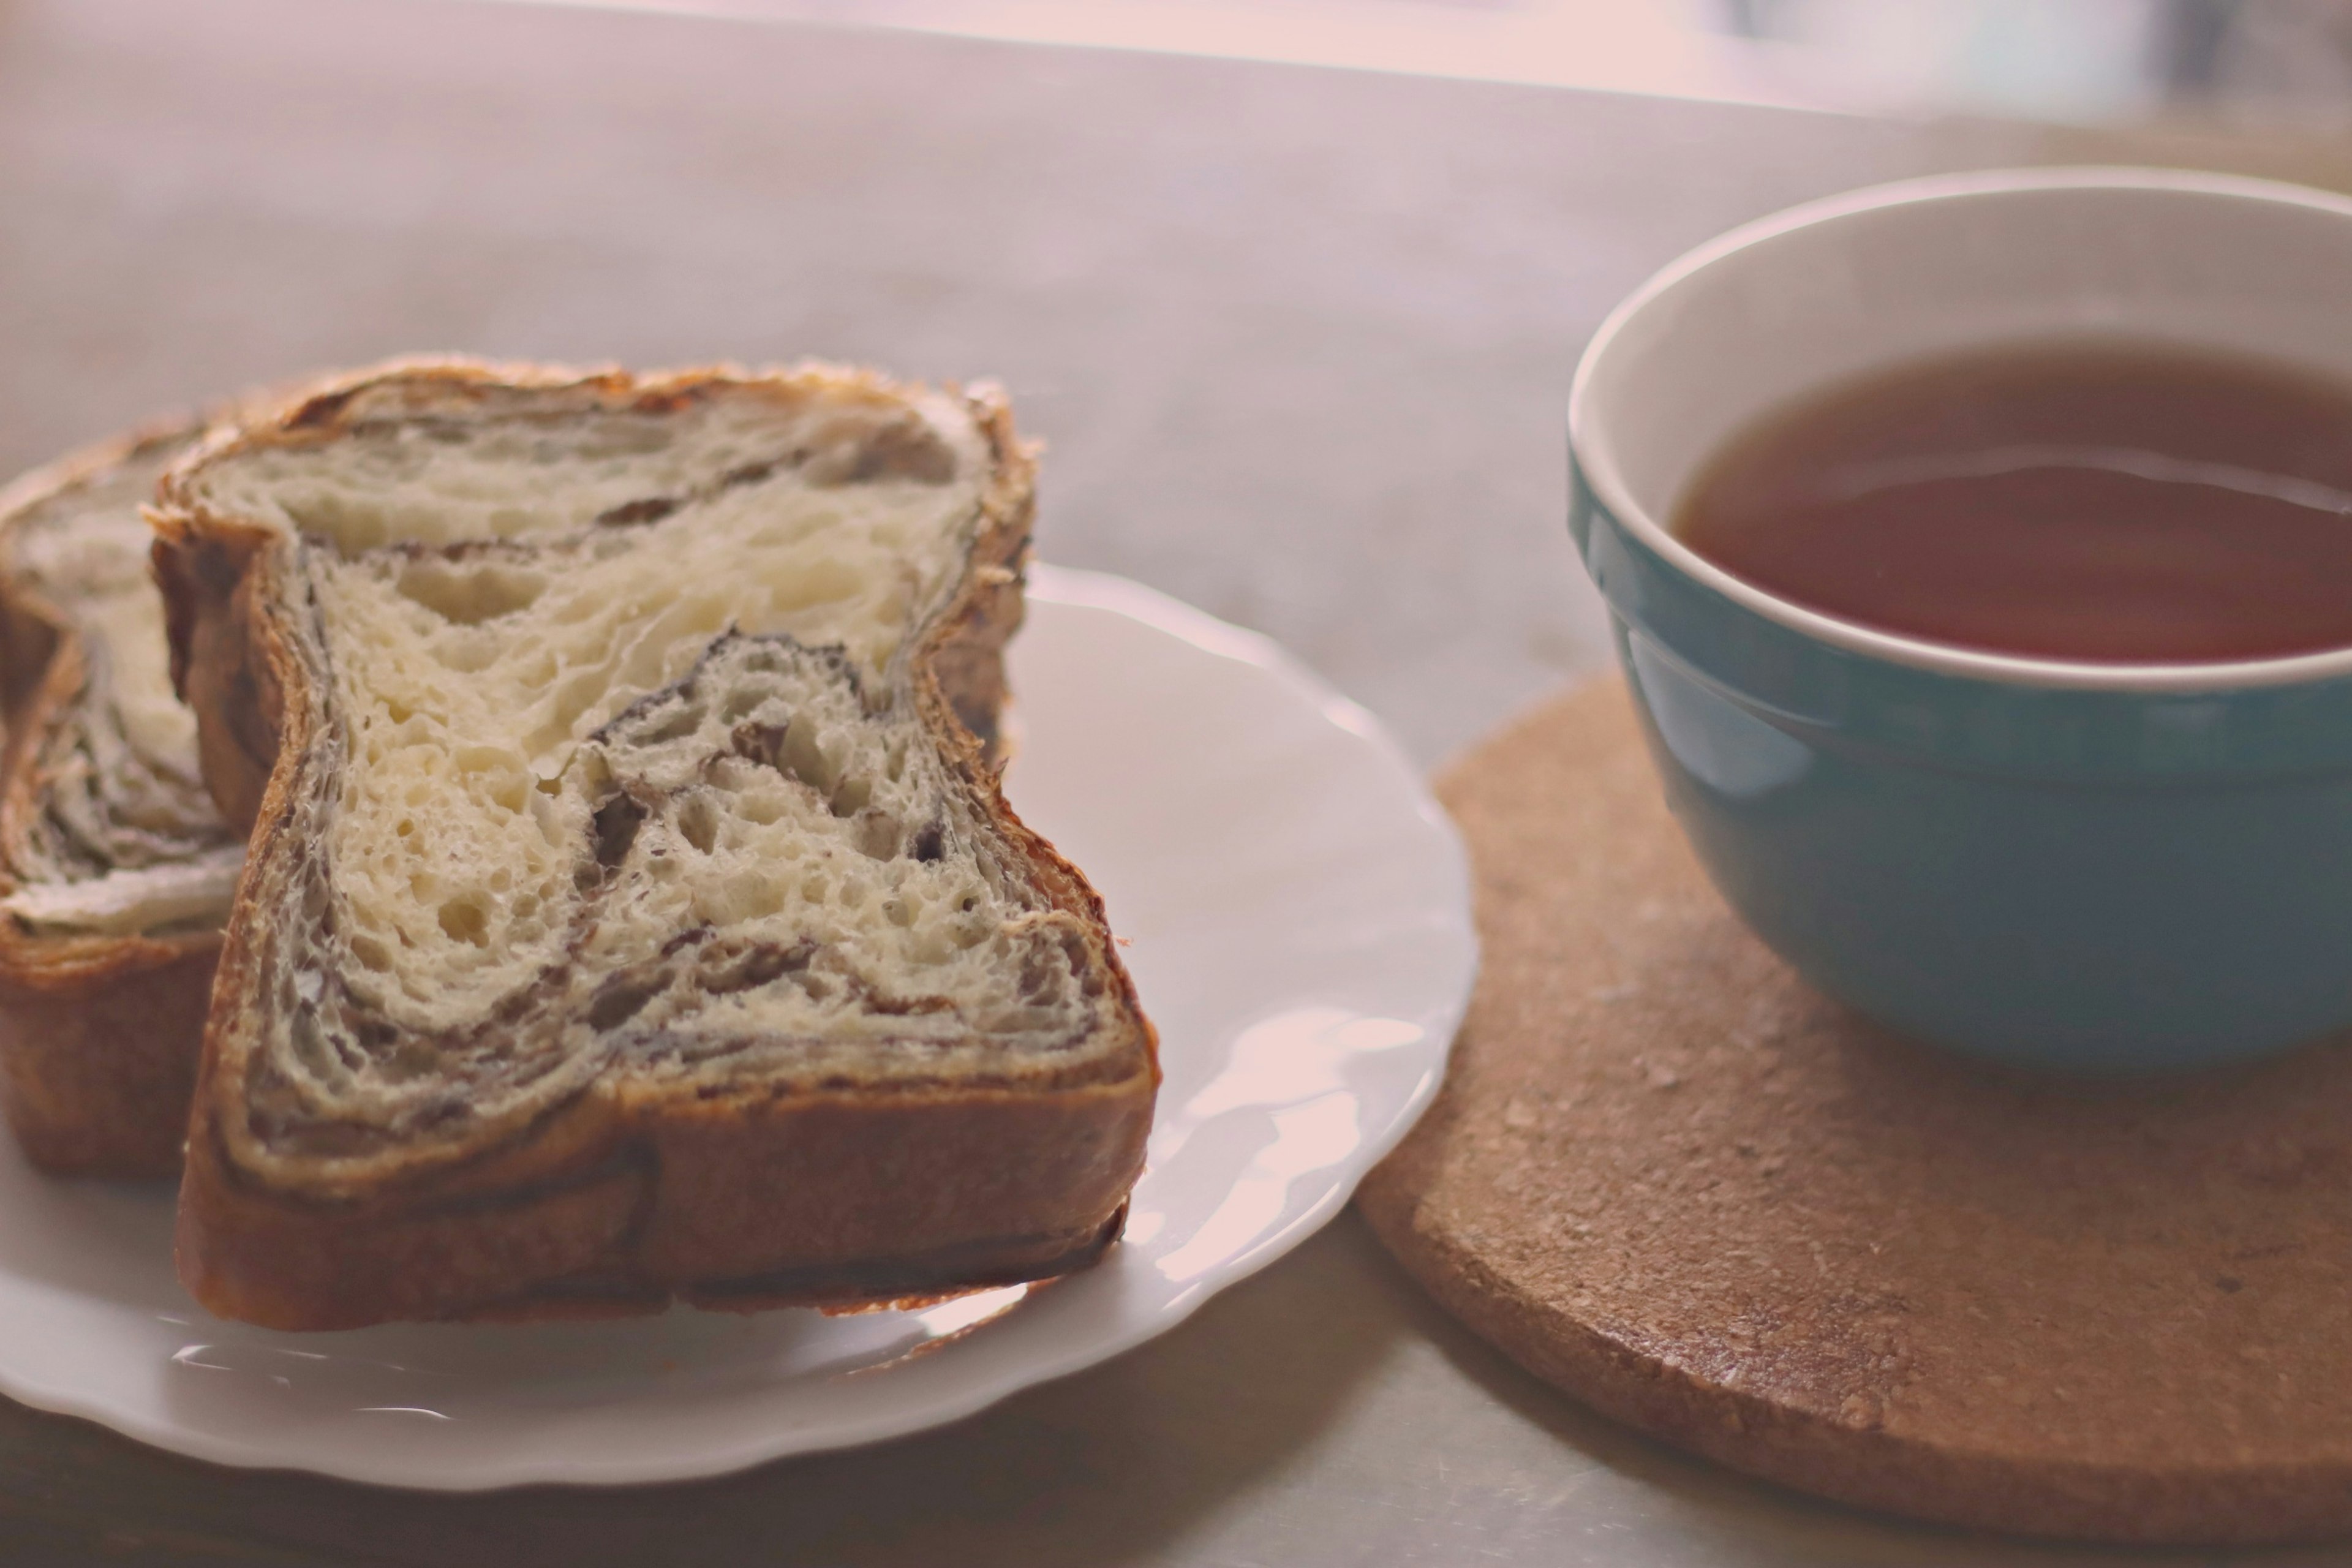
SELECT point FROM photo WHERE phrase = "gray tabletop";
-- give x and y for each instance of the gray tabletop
(1299, 342)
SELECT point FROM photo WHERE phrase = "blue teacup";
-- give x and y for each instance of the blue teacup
(2095, 868)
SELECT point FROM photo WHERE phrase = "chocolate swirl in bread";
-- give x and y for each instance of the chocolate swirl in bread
(632, 911)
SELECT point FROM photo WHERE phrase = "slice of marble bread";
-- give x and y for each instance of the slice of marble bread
(115, 870)
(633, 912)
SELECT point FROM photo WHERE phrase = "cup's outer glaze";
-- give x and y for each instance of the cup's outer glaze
(2088, 871)
(2002, 879)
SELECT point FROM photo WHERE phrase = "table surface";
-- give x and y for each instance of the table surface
(1300, 342)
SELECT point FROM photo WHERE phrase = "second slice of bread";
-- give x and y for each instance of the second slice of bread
(633, 910)
(115, 870)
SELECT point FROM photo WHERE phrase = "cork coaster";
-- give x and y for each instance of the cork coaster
(1669, 1178)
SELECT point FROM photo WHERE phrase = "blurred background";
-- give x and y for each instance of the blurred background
(2253, 62)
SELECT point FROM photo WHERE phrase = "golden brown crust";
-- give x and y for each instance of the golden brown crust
(99, 1034)
(630, 1193)
(98, 1060)
(842, 1196)
(218, 669)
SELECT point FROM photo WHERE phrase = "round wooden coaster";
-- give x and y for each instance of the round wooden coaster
(1669, 1178)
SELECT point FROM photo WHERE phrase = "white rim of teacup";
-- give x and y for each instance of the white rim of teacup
(1599, 464)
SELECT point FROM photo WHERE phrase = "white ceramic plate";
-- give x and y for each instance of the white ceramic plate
(1298, 911)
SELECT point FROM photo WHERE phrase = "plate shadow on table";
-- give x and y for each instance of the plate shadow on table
(1106, 1468)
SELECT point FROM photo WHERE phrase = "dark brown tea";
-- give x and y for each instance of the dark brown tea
(2076, 499)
